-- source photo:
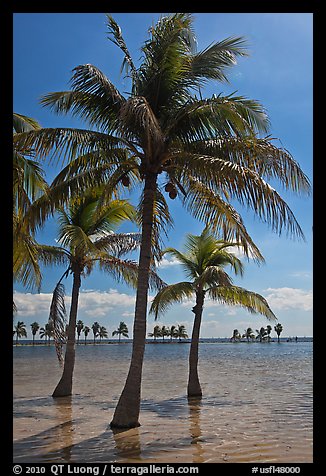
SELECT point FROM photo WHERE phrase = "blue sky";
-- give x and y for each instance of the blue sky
(278, 73)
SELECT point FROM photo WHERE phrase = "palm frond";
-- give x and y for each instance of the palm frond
(206, 205)
(115, 35)
(65, 143)
(237, 296)
(58, 318)
(23, 123)
(169, 295)
(118, 244)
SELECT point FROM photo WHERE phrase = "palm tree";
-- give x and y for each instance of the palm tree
(278, 329)
(181, 332)
(167, 136)
(95, 328)
(121, 331)
(87, 238)
(35, 327)
(20, 330)
(103, 333)
(204, 262)
(236, 336)
(156, 332)
(164, 332)
(79, 328)
(249, 334)
(268, 331)
(261, 334)
(28, 185)
(86, 331)
(172, 332)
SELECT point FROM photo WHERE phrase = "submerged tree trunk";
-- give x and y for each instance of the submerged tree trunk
(64, 387)
(126, 414)
(194, 388)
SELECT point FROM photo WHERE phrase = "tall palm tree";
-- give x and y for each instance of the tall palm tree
(103, 333)
(86, 331)
(156, 332)
(166, 135)
(79, 328)
(278, 329)
(35, 327)
(249, 334)
(204, 261)
(87, 238)
(20, 330)
(121, 331)
(95, 328)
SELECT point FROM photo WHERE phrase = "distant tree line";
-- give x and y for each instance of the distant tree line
(262, 334)
(47, 332)
(178, 332)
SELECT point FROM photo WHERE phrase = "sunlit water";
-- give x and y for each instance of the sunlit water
(256, 405)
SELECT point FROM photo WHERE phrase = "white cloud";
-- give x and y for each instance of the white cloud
(289, 298)
(167, 263)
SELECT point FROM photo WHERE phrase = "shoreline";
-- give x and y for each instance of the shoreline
(213, 340)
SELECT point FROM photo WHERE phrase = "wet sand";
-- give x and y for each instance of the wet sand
(257, 406)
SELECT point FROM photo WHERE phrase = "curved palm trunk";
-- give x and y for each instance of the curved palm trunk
(64, 387)
(194, 388)
(126, 414)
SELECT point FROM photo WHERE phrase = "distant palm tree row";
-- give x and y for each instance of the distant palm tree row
(263, 334)
(48, 331)
(177, 332)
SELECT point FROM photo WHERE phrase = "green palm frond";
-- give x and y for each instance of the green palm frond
(237, 296)
(207, 206)
(169, 295)
(65, 143)
(115, 35)
(118, 244)
(23, 123)
(212, 276)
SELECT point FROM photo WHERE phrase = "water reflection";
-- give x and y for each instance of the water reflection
(194, 405)
(127, 442)
(63, 408)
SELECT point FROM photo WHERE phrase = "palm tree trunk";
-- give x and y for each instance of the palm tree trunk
(194, 388)
(64, 387)
(126, 414)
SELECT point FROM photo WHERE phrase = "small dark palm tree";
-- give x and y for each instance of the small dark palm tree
(204, 261)
(86, 331)
(121, 331)
(172, 332)
(163, 133)
(79, 328)
(35, 327)
(95, 328)
(181, 332)
(278, 329)
(164, 332)
(268, 332)
(261, 334)
(156, 332)
(20, 330)
(103, 333)
(236, 336)
(249, 334)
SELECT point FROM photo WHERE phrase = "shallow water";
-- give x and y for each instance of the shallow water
(256, 405)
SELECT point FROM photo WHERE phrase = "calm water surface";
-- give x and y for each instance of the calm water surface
(256, 405)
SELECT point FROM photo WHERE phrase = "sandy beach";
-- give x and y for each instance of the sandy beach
(257, 406)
